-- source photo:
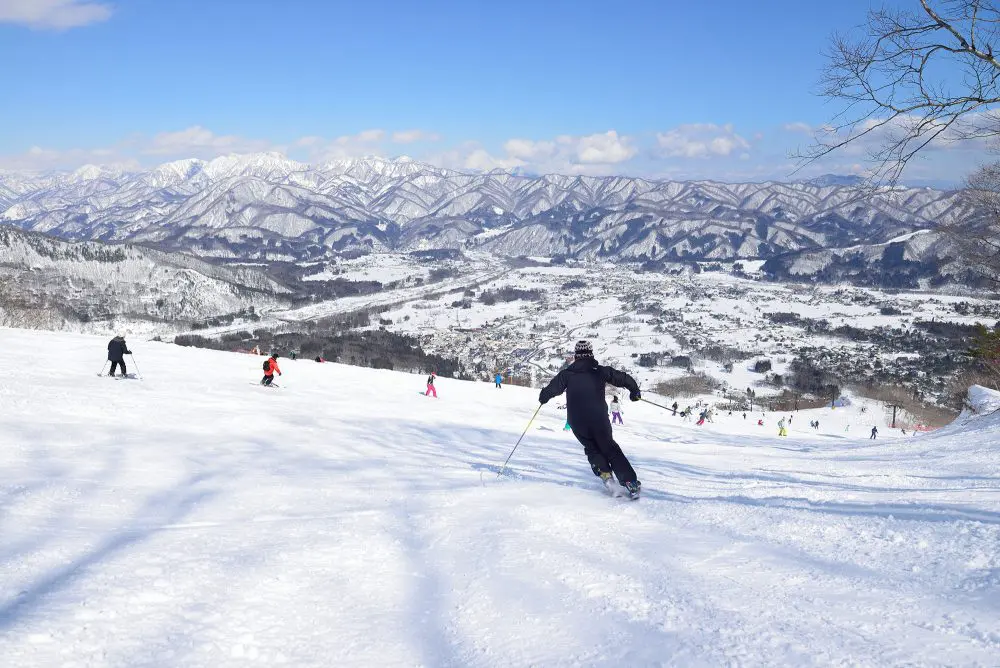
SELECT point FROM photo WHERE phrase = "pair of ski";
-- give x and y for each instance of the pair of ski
(130, 376)
(611, 486)
(620, 491)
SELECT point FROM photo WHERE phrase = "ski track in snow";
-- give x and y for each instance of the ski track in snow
(188, 519)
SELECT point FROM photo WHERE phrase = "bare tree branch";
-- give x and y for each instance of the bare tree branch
(911, 80)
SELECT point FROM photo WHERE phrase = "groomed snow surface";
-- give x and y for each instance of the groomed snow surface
(193, 518)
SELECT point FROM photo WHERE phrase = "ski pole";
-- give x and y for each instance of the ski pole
(656, 404)
(504, 467)
(136, 365)
(105, 366)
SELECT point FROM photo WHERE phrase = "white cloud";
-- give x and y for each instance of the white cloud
(526, 149)
(481, 160)
(798, 128)
(367, 136)
(601, 149)
(53, 14)
(413, 136)
(198, 142)
(700, 140)
(39, 158)
(364, 143)
(706, 151)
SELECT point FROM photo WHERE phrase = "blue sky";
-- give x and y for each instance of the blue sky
(718, 89)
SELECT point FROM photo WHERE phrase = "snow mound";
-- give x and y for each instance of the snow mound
(982, 400)
(194, 518)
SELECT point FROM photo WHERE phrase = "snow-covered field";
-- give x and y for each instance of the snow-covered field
(195, 519)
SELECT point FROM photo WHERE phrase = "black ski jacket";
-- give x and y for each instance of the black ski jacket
(117, 350)
(583, 382)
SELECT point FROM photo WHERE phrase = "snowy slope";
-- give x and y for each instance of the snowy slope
(195, 519)
(53, 284)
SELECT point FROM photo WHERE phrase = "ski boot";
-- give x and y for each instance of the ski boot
(609, 482)
(633, 489)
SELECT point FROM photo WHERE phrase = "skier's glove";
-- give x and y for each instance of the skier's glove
(635, 396)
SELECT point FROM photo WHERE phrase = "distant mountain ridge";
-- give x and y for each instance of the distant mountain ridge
(267, 207)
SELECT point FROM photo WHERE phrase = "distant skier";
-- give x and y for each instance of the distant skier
(584, 382)
(782, 431)
(430, 386)
(701, 418)
(674, 408)
(498, 379)
(874, 432)
(319, 359)
(270, 368)
(117, 350)
(616, 411)
(760, 423)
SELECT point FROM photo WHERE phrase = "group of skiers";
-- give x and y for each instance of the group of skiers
(584, 382)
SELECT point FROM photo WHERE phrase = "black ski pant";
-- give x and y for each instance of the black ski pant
(602, 451)
(114, 366)
(267, 380)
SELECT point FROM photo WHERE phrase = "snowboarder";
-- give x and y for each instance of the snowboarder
(701, 418)
(498, 379)
(583, 382)
(782, 431)
(760, 423)
(270, 368)
(319, 359)
(430, 386)
(616, 411)
(874, 432)
(117, 350)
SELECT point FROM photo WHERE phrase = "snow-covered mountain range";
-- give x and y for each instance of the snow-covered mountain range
(51, 284)
(265, 206)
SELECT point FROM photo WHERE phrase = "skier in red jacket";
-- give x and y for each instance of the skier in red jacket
(270, 368)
